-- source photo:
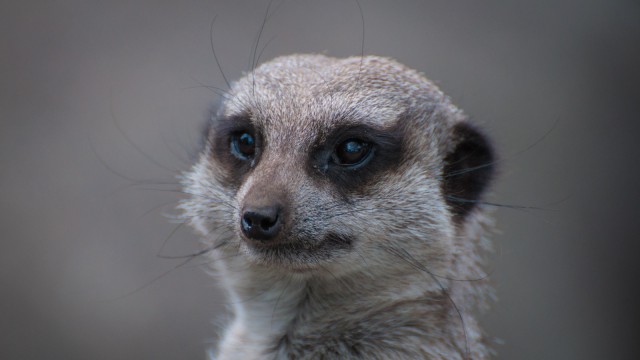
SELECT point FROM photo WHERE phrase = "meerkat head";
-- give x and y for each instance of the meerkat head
(320, 163)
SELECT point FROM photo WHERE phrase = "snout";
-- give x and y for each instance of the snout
(262, 223)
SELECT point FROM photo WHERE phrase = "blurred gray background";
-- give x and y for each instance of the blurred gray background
(554, 82)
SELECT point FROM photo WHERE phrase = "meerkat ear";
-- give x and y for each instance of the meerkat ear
(468, 169)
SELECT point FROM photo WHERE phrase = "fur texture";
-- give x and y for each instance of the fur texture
(383, 261)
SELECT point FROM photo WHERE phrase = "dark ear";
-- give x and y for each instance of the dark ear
(468, 169)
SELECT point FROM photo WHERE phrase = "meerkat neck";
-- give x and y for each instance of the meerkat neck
(274, 313)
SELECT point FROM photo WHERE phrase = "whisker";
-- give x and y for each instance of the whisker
(216, 90)
(195, 254)
(132, 143)
(411, 260)
(154, 208)
(252, 55)
(512, 157)
(213, 51)
(153, 280)
(362, 42)
(444, 291)
(508, 206)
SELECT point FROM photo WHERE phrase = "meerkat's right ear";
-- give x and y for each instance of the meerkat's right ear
(468, 169)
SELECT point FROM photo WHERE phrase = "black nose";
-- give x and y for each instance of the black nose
(262, 223)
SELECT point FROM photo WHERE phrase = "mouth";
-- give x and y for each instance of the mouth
(301, 254)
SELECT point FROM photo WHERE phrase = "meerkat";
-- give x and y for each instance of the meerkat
(341, 201)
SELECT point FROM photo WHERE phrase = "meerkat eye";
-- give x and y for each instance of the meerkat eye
(243, 145)
(351, 152)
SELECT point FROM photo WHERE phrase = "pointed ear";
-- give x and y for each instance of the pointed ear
(468, 169)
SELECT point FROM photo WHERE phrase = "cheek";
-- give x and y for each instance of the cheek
(412, 216)
(417, 235)
(210, 209)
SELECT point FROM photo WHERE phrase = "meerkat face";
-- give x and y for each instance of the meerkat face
(319, 163)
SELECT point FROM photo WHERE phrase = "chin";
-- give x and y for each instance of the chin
(299, 256)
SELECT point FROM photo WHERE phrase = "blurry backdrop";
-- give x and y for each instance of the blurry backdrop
(87, 87)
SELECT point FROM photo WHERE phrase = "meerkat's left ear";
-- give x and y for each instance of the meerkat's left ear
(469, 168)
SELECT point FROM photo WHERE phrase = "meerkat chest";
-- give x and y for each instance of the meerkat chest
(296, 325)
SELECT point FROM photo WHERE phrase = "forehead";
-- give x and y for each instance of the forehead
(310, 93)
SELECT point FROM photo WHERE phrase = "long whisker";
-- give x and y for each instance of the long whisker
(500, 160)
(152, 281)
(213, 51)
(444, 291)
(411, 260)
(133, 143)
(254, 50)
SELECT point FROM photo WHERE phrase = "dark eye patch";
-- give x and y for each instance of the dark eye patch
(235, 144)
(352, 156)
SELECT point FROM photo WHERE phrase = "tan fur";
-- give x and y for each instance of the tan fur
(392, 295)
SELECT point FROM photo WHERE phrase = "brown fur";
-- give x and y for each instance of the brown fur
(376, 263)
